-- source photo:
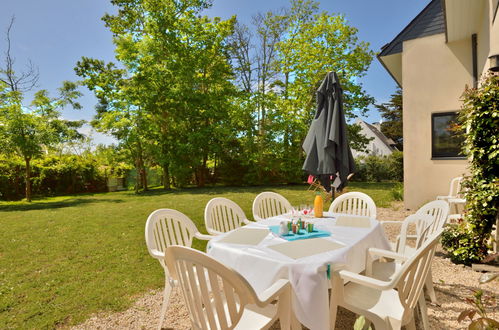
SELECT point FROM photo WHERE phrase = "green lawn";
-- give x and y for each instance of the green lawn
(64, 258)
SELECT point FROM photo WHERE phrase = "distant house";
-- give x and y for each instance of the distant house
(379, 145)
(449, 45)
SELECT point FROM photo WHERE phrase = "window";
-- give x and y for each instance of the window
(446, 142)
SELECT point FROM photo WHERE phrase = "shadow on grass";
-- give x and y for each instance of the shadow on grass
(56, 204)
(217, 190)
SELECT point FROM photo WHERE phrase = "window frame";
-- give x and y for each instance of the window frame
(435, 156)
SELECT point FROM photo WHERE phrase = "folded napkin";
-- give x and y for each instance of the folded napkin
(246, 236)
(353, 221)
(305, 248)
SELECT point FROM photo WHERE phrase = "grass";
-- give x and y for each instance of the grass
(64, 258)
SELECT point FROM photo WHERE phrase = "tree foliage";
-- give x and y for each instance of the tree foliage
(30, 131)
(391, 112)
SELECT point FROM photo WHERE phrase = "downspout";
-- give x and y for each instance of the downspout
(475, 59)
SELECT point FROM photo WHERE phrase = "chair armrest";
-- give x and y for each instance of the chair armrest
(364, 280)
(272, 292)
(391, 222)
(374, 252)
(157, 254)
(386, 253)
(204, 237)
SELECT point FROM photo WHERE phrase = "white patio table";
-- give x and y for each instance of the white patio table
(261, 264)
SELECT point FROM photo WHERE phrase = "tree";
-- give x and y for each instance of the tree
(118, 112)
(29, 131)
(175, 87)
(316, 43)
(392, 113)
(279, 64)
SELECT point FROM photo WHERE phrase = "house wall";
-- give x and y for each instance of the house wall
(375, 146)
(494, 29)
(483, 41)
(434, 77)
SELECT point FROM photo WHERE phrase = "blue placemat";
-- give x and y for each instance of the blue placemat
(303, 234)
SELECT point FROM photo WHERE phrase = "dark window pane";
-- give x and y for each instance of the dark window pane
(446, 140)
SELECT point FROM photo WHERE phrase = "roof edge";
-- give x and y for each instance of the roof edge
(390, 44)
(389, 72)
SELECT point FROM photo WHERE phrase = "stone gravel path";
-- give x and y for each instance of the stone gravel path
(452, 284)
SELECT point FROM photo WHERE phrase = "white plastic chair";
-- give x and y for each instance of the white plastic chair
(432, 215)
(454, 189)
(165, 227)
(439, 210)
(354, 203)
(387, 304)
(270, 204)
(217, 297)
(222, 215)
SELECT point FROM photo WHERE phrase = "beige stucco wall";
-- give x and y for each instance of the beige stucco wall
(494, 29)
(434, 77)
(483, 41)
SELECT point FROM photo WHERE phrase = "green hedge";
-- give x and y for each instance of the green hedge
(51, 175)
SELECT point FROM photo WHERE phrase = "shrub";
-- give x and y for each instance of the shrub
(398, 192)
(51, 175)
(379, 168)
(396, 166)
(462, 245)
(480, 120)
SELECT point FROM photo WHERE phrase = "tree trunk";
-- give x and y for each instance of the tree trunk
(201, 177)
(144, 177)
(28, 179)
(138, 181)
(141, 169)
(166, 177)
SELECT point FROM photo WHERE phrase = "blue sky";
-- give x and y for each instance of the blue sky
(55, 34)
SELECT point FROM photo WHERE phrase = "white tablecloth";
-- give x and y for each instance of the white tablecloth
(262, 266)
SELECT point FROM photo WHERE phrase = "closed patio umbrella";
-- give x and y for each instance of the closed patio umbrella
(326, 143)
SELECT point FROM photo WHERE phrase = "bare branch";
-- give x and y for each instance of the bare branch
(26, 80)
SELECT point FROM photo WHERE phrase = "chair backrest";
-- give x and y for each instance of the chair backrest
(269, 204)
(214, 294)
(439, 210)
(165, 227)
(455, 186)
(222, 215)
(410, 279)
(423, 224)
(355, 203)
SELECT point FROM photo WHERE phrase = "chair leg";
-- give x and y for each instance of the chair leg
(333, 309)
(295, 324)
(336, 290)
(424, 312)
(430, 289)
(284, 310)
(164, 304)
(385, 325)
(411, 325)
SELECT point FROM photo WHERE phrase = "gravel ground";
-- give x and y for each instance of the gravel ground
(452, 284)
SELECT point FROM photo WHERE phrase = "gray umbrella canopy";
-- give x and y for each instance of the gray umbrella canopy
(326, 144)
